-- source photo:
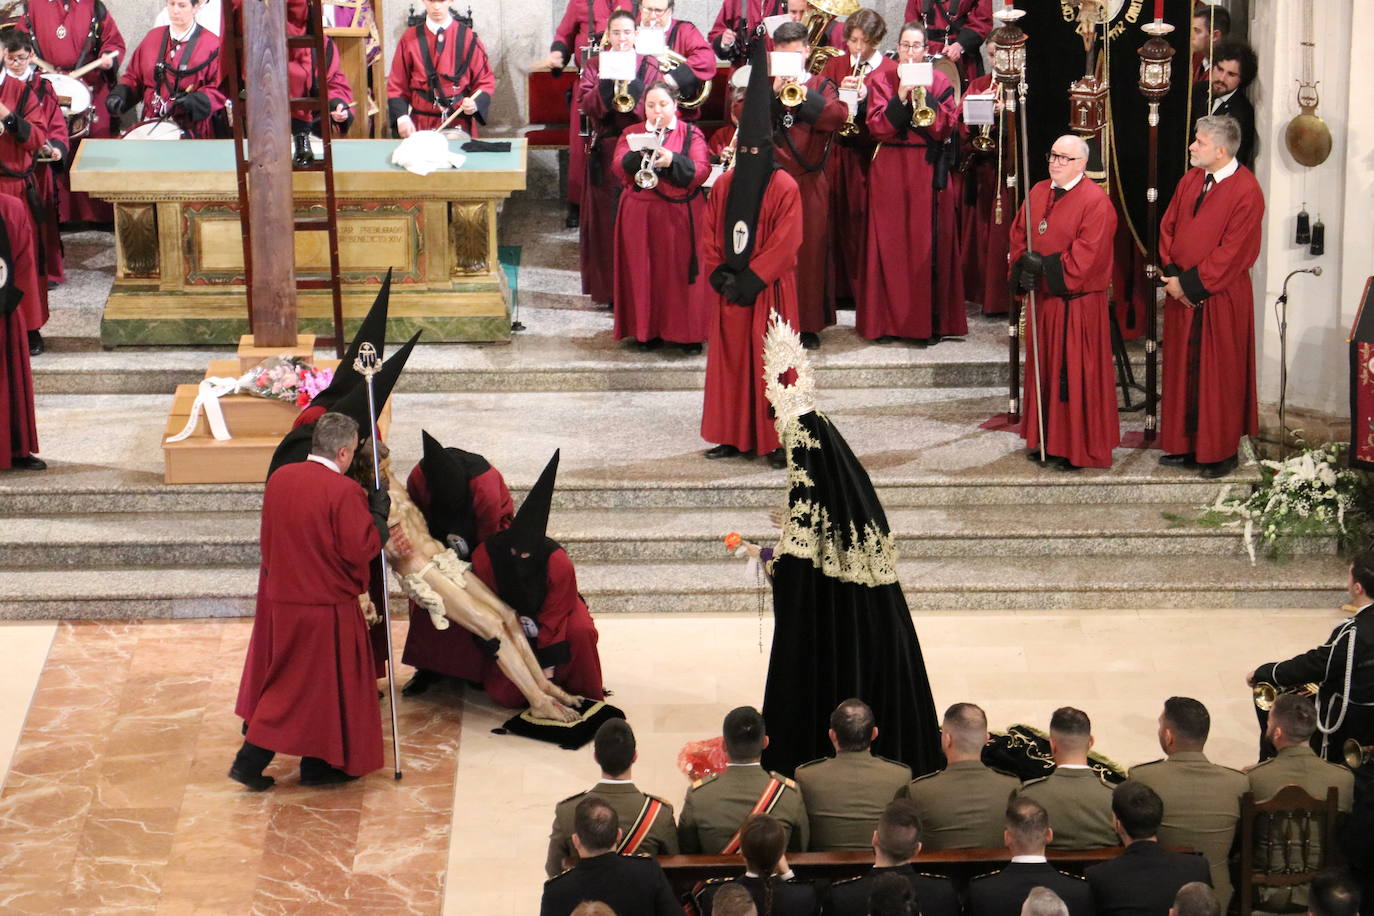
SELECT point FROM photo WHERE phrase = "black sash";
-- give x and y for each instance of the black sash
(691, 217)
(92, 36)
(432, 74)
(188, 50)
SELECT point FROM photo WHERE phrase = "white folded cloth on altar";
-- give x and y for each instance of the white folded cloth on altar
(426, 151)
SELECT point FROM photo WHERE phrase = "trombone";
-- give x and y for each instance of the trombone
(1265, 694)
(850, 129)
(922, 115)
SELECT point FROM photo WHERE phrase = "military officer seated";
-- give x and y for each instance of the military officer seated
(1077, 798)
(1028, 830)
(1195, 899)
(1042, 901)
(1201, 798)
(733, 900)
(1146, 877)
(767, 877)
(964, 805)
(649, 819)
(895, 843)
(845, 794)
(716, 806)
(629, 885)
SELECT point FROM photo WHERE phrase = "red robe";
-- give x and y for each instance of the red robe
(912, 286)
(1209, 351)
(41, 20)
(847, 172)
(453, 651)
(971, 25)
(569, 38)
(657, 265)
(16, 379)
(407, 87)
(802, 150)
(309, 685)
(736, 410)
(563, 617)
(46, 175)
(984, 241)
(687, 41)
(17, 149)
(200, 68)
(601, 188)
(300, 75)
(1074, 335)
(753, 12)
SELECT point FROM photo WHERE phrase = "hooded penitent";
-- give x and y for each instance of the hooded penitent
(520, 554)
(296, 445)
(373, 331)
(449, 473)
(842, 628)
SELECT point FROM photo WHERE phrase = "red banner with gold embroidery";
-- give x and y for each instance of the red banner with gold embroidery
(1362, 383)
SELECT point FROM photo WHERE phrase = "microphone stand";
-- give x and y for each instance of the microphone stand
(1281, 310)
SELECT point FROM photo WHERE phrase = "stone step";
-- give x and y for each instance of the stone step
(1085, 583)
(230, 539)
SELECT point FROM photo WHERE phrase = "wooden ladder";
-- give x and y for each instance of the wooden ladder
(315, 40)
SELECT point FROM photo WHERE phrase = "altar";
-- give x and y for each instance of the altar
(179, 276)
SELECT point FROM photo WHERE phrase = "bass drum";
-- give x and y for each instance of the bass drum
(153, 130)
(74, 97)
(950, 69)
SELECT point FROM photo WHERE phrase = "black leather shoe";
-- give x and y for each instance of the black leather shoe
(722, 451)
(1061, 464)
(28, 463)
(1033, 456)
(1215, 469)
(810, 340)
(691, 349)
(777, 459)
(651, 344)
(1178, 461)
(35, 343)
(573, 217)
(422, 681)
(254, 782)
(315, 772)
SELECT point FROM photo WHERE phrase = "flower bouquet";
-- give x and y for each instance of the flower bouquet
(286, 378)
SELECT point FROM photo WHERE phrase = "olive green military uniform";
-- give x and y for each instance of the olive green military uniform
(1201, 808)
(845, 795)
(627, 801)
(717, 805)
(1079, 803)
(1301, 767)
(963, 806)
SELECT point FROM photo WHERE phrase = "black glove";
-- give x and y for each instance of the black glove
(195, 106)
(118, 100)
(1027, 271)
(724, 281)
(379, 504)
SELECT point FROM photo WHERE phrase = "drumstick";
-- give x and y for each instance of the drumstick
(82, 71)
(449, 120)
(43, 65)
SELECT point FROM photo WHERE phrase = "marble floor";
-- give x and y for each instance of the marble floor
(117, 737)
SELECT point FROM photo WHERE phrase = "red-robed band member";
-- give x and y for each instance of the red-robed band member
(577, 40)
(52, 157)
(24, 118)
(912, 286)
(1208, 241)
(661, 206)
(850, 157)
(69, 36)
(802, 136)
(175, 70)
(740, 23)
(985, 226)
(611, 105)
(464, 501)
(683, 39)
(749, 254)
(1072, 221)
(723, 137)
(21, 280)
(309, 686)
(438, 66)
(301, 77)
(956, 29)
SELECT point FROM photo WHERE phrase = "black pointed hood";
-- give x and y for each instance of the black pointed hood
(372, 330)
(531, 523)
(753, 163)
(520, 555)
(354, 403)
(448, 474)
(294, 447)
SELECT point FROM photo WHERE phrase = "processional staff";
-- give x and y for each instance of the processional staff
(367, 364)
(1156, 66)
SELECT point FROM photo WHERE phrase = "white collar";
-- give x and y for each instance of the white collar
(171, 33)
(614, 782)
(327, 462)
(1028, 860)
(672, 125)
(1218, 99)
(5, 74)
(756, 763)
(1225, 172)
(1072, 184)
(873, 61)
(786, 876)
(436, 29)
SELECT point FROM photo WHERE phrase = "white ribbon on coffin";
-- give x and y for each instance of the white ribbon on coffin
(207, 399)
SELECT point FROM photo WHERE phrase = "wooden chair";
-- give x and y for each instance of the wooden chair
(1297, 832)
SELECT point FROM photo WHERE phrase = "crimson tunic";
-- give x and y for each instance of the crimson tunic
(42, 20)
(985, 241)
(569, 38)
(45, 176)
(969, 22)
(601, 189)
(847, 172)
(1074, 335)
(657, 266)
(300, 75)
(1209, 351)
(736, 410)
(453, 651)
(309, 685)
(802, 150)
(16, 379)
(687, 41)
(200, 66)
(17, 177)
(462, 70)
(912, 286)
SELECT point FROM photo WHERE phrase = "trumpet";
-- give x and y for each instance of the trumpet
(922, 115)
(622, 101)
(727, 155)
(646, 178)
(792, 94)
(1357, 755)
(668, 61)
(982, 141)
(1265, 694)
(850, 129)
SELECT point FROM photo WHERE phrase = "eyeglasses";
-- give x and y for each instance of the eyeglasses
(18, 58)
(1053, 158)
(910, 45)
